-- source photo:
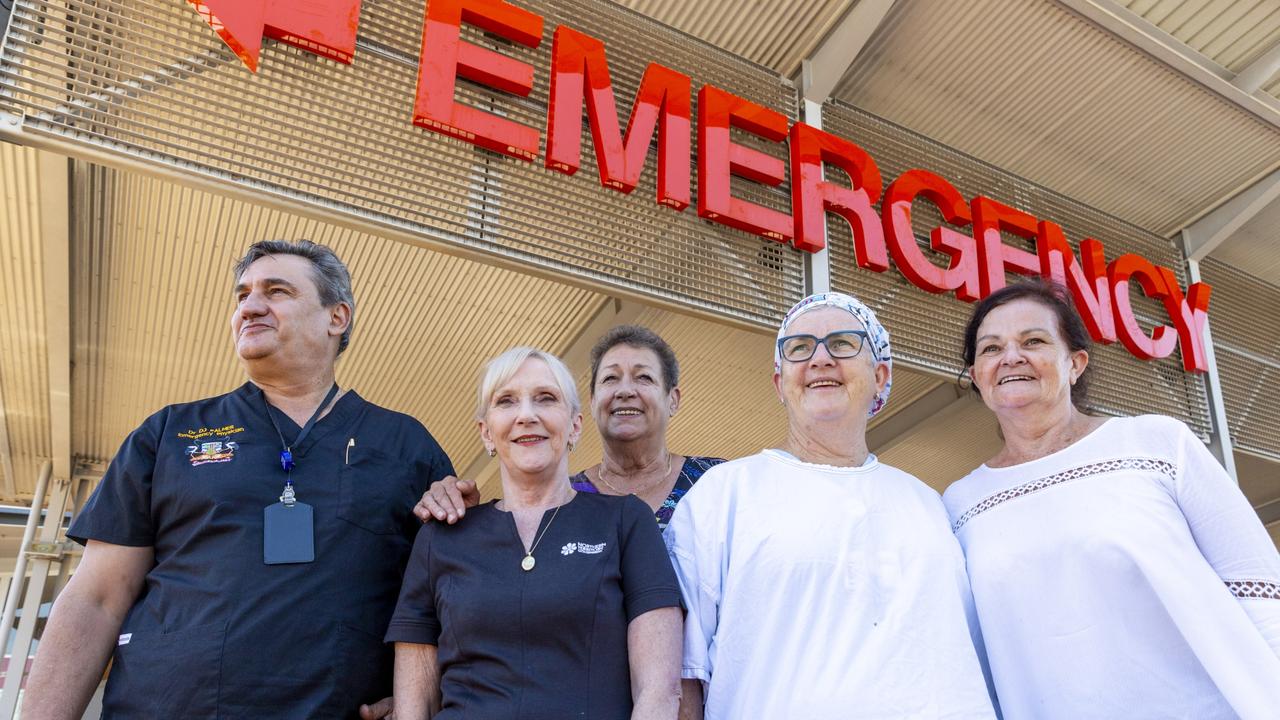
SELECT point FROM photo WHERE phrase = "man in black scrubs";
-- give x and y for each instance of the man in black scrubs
(243, 553)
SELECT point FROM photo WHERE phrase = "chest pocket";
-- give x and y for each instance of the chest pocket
(376, 492)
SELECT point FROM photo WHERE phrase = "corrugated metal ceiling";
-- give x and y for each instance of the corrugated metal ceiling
(24, 383)
(774, 33)
(1231, 33)
(151, 265)
(1255, 247)
(1053, 98)
(152, 321)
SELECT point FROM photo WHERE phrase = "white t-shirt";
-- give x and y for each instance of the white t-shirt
(1124, 576)
(824, 593)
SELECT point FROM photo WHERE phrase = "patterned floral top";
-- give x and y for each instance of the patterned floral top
(690, 472)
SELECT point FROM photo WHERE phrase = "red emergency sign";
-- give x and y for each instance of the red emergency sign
(579, 81)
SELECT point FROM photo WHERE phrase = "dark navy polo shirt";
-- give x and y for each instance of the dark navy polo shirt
(548, 644)
(217, 633)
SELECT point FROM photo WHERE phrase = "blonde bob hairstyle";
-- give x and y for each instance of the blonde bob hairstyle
(498, 371)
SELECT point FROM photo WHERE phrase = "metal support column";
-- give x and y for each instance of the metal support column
(20, 568)
(817, 266)
(1220, 440)
(44, 552)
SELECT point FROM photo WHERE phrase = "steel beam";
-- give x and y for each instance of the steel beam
(1135, 30)
(828, 63)
(1202, 237)
(20, 567)
(482, 469)
(1260, 71)
(54, 173)
(40, 566)
(1269, 512)
(9, 487)
(1220, 435)
(817, 265)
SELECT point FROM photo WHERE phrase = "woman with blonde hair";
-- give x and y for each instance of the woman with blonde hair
(549, 603)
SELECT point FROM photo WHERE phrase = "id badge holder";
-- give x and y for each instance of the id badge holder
(288, 534)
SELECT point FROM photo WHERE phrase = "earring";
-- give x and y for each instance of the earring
(492, 452)
(570, 446)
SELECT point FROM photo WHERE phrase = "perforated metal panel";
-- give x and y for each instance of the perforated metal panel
(928, 329)
(1245, 322)
(148, 80)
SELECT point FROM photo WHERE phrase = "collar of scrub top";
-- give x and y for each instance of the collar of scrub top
(877, 336)
(286, 448)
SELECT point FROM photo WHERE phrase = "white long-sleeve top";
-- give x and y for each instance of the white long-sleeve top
(1123, 576)
(824, 593)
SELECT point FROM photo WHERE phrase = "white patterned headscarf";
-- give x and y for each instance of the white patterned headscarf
(877, 336)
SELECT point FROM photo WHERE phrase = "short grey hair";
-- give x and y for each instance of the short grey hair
(332, 279)
(503, 367)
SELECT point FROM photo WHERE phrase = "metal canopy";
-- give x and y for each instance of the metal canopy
(1034, 88)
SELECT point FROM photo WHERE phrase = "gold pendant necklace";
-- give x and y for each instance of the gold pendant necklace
(528, 562)
(644, 489)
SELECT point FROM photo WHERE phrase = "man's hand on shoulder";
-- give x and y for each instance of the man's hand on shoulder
(384, 709)
(447, 500)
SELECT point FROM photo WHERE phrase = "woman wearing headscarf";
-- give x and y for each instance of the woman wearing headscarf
(549, 603)
(635, 392)
(1116, 568)
(821, 584)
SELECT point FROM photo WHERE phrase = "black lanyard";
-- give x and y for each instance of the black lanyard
(286, 449)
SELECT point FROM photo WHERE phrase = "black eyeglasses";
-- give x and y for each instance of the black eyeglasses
(840, 344)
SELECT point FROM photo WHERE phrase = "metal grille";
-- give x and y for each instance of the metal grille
(1244, 316)
(928, 329)
(147, 80)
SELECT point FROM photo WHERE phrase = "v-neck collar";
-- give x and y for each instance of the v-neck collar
(343, 410)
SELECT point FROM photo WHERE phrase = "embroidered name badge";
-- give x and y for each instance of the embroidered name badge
(211, 452)
(584, 548)
(209, 448)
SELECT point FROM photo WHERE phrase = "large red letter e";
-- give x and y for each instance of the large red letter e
(445, 58)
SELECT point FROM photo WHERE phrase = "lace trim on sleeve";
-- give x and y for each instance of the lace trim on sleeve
(1260, 589)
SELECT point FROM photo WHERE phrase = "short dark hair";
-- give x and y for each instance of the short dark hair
(637, 336)
(1051, 295)
(332, 279)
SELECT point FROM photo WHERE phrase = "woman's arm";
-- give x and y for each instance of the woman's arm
(690, 700)
(1229, 534)
(653, 648)
(417, 682)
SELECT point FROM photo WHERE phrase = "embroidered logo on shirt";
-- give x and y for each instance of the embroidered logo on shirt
(584, 548)
(211, 452)
(202, 433)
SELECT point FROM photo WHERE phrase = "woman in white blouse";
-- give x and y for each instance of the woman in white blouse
(1116, 568)
(821, 584)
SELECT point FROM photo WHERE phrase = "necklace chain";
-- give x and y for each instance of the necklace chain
(528, 562)
(644, 489)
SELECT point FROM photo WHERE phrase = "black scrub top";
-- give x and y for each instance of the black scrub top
(548, 644)
(217, 633)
